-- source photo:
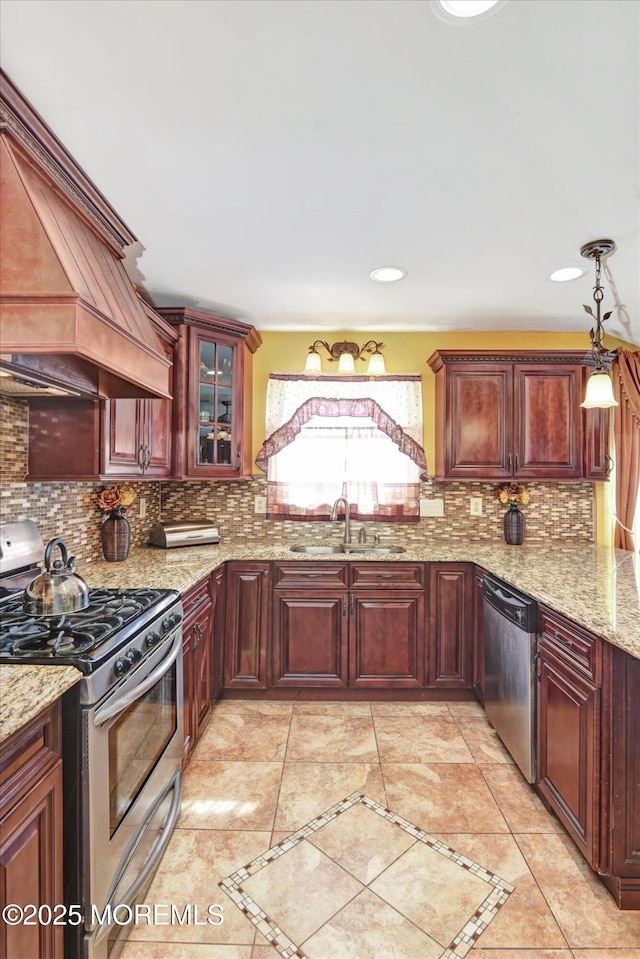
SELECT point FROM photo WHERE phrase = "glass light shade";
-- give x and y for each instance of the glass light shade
(346, 363)
(599, 391)
(314, 363)
(376, 363)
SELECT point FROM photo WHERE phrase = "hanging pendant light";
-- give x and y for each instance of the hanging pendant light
(599, 393)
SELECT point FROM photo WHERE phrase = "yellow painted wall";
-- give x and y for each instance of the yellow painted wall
(407, 352)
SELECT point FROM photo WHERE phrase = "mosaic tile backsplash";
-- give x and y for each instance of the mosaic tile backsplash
(558, 511)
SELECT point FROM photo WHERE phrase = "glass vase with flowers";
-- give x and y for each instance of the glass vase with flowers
(514, 495)
(116, 530)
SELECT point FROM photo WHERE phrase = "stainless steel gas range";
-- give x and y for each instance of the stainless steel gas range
(122, 744)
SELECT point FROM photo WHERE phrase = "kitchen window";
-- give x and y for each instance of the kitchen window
(358, 437)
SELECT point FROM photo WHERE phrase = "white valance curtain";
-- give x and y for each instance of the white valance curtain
(359, 437)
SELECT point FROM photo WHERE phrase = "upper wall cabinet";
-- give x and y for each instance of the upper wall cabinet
(516, 415)
(212, 394)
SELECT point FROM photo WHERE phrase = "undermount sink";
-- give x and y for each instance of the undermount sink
(373, 549)
(316, 548)
(343, 548)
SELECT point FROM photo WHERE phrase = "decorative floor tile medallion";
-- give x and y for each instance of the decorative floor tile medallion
(275, 902)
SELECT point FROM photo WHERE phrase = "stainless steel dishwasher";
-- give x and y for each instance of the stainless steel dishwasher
(510, 638)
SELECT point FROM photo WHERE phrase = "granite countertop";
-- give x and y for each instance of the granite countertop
(27, 690)
(596, 587)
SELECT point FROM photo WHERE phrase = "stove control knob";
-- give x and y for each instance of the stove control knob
(175, 619)
(151, 639)
(121, 667)
(133, 655)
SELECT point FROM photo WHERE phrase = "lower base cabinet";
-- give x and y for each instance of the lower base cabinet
(198, 661)
(620, 833)
(349, 626)
(449, 644)
(31, 834)
(248, 597)
(569, 695)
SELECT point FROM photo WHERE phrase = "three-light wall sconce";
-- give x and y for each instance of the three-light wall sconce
(346, 353)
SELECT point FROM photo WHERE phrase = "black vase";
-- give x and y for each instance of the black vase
(514, 526)
(116, 537)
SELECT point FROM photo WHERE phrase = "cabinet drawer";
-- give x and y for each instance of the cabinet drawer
(200, 593)
(306, 575)
(376, 575)
(578, 648)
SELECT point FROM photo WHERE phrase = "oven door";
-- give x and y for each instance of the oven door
(132, 750)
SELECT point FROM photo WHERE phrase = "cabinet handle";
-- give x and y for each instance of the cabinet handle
(199, 637)
(609, 463)
(239, 460)
(560, 639)
(313, 575)
(510, 459)
(147, 458)
(141, 450)
(352, 603)
(344, 605)
(517, 462)
(386, 575)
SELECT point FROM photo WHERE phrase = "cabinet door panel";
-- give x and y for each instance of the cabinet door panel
(547, 425)
(310, 639)
(123, 437)
(568, 716)
(479, 422)
(449, 640)
(218, 589)
(386, 640)
(202, 668)
(248, 587)
(598, 463)
(31, 867)
(158, 437)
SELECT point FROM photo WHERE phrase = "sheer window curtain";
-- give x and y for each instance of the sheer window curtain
(626, 431)
(344, 445)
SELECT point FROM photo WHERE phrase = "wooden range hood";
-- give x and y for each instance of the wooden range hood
(68, 310)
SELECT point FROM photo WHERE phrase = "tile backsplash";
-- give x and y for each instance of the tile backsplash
(558, 511)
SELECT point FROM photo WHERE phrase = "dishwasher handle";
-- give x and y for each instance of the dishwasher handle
(511, 603)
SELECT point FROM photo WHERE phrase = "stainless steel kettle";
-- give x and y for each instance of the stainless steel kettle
(59, 590)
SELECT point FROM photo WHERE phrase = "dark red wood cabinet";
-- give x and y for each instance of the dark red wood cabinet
(516, 415)
(569, 701)
(310, 625)
(348, 625)
(247, 628)
(620, 777)
(198, 661)
(31, 834)
(212, 394)
(449, 646)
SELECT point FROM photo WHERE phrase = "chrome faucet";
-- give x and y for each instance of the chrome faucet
(346, 539)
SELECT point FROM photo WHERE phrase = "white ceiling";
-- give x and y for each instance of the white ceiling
(270, 153)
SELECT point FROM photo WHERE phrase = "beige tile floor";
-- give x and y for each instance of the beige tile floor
(358, 884)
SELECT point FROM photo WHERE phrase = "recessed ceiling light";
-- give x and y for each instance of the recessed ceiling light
(465, 11)
(388, 274)
(566, 273)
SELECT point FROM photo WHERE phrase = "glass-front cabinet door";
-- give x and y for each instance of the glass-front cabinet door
(213, 436)
(216, 442)
(212, 394)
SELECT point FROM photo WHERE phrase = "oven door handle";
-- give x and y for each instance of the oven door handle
(154, 858)
(120, 703)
